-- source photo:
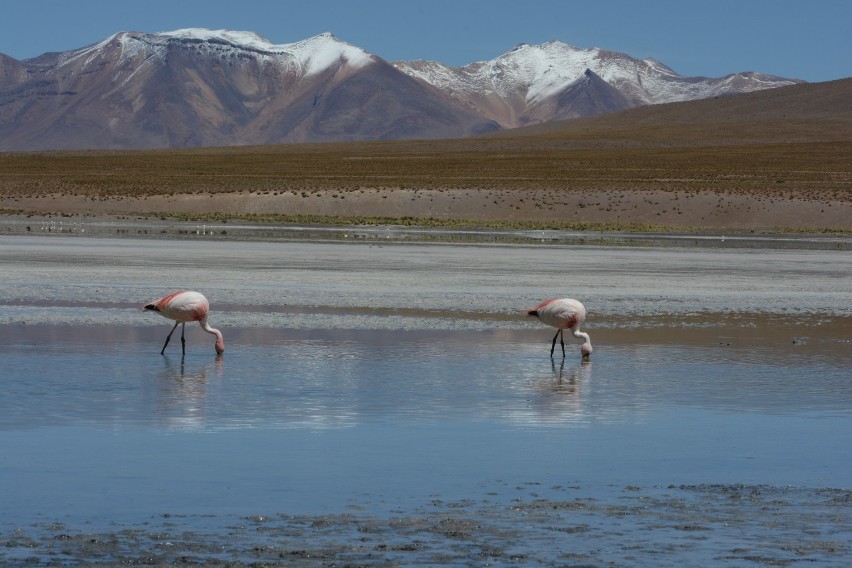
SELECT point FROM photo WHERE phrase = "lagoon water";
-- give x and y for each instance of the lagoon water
(392, 404)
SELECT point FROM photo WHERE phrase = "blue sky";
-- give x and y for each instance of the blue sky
(808, 39)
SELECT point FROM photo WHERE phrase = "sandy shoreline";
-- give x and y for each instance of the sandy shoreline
(708, 211)
(386, 231)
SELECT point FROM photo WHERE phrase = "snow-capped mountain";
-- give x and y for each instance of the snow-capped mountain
(513, 88)
(198, 87)
(305, 58)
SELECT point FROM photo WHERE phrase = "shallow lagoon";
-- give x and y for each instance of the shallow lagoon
(382, 404)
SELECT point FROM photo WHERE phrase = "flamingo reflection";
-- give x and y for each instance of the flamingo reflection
(182, 392)
(559, 397)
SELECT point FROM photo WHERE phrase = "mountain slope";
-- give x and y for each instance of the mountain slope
(197, 87)
(777, 158)
(802, 113)
(203, 88)
(531, 76)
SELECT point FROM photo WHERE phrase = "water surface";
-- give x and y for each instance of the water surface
(393, 403)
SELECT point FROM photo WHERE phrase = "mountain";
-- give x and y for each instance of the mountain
(805, 113)
(197, 87)
(216, 88)
(539, 83)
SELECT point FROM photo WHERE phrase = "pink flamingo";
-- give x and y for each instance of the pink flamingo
(185, 307)
(564, 313)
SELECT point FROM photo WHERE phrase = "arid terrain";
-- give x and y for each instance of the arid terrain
(767, 161)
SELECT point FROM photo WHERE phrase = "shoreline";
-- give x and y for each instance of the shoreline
(406, 230)
(589, 525)
(615, 209)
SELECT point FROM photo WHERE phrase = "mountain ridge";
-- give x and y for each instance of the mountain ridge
(195, 87)
(803, 113)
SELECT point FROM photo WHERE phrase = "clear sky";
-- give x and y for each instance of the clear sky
(803, 39)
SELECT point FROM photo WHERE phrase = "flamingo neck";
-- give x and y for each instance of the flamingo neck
(220, 341)
(586, 347)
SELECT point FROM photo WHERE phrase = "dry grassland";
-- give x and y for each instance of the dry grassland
(702, 170)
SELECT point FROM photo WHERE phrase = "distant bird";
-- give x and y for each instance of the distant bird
(564, 313)
(185, 307)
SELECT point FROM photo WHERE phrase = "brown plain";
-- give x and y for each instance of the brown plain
(771, 160)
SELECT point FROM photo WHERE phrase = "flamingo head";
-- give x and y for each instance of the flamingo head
(586, 350)
(220, 345)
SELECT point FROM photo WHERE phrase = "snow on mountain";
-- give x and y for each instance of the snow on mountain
(534, 72)
(538, 72)
(315, 54)
(197, 87)
(246, 40)
(321, 52)
(312, 56)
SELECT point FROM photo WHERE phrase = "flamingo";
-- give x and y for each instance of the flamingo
(564, 313)
(186, 306)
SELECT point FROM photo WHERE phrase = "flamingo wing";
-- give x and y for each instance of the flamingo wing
(563, 313)
(183, 306)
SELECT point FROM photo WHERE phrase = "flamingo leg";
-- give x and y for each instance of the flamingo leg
(169, 336)
(562, 341)
(183, 341)
(553, 345)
